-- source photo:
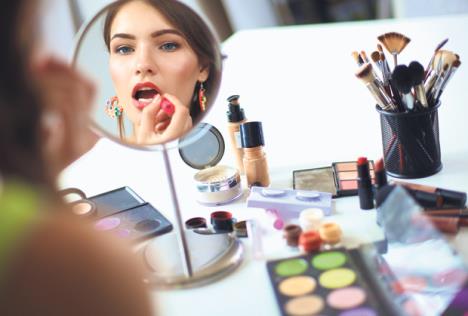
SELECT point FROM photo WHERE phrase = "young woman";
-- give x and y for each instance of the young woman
(50, 263)
(160, 51)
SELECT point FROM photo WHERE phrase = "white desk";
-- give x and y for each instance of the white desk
(299, 81)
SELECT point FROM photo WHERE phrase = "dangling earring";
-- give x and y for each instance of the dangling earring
(202, 97)
(113, 108)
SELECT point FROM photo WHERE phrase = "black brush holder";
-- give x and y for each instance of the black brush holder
(411, 146)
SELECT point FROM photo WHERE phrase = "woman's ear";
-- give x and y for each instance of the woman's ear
(204, 73)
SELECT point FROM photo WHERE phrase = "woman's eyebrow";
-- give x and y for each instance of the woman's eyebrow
(166, 31)
(123, 35)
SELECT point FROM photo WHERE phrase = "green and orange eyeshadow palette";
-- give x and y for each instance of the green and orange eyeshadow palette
(322, 283)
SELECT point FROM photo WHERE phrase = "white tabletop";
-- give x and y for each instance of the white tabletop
(299, 81)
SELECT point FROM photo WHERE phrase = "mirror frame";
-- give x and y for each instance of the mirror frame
(172, 144)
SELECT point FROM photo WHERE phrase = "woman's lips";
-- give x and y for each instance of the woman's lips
(143, 94)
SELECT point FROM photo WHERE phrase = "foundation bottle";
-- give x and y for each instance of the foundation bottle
(255, 163)
(236, 117)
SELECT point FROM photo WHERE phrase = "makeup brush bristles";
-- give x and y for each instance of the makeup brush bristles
(357, 58)
(394, 43)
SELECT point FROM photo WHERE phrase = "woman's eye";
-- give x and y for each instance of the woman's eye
(169, 46)
(124, 50)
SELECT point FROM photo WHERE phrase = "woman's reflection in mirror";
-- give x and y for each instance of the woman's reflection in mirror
(165, 65)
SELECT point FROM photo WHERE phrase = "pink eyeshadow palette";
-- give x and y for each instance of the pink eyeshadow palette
(325, 283)
(340, 179)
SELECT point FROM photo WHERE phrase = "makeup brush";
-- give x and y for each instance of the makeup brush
(364, 56)
(417, 74)
(441, 44)
(394, 43)
(446, 59)
(374, 85)
(357, 58)
(403, 80)
(450, 74)
(388, 77)
(434, 82)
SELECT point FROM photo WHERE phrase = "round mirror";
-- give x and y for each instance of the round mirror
(157, 67)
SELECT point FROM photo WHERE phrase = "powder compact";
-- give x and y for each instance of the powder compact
(202, 149)
(340, 179)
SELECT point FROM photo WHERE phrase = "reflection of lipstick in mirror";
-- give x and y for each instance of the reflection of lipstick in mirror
(167, 106)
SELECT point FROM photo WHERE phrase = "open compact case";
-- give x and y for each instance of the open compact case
(416, 273)
(340, 179)
(202, 149)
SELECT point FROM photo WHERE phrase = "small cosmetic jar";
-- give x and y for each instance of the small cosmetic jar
(222, 221)
(310, 219)
(218, 185)
(291, 233)
(310, 241)
(195, 222)
(240, 229)
(330, 233)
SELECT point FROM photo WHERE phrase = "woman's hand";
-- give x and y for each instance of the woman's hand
(67, 99)
(157, 126)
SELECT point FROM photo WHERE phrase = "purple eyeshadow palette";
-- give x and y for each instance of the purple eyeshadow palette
(340, 179)
(326, 283)
(125, 214)
(140, 222)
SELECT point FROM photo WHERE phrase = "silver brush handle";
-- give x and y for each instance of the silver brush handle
(383, 100)
(421, 95)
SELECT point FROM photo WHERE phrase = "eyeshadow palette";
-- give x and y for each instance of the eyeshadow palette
(326, 283)
(115, 201)
(136, 223)
(340, 179)
(127, 215)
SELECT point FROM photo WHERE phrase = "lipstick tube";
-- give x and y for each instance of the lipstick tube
(366, 197)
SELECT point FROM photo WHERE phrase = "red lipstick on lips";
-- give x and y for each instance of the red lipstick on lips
(144, 93)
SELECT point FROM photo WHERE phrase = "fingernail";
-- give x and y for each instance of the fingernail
(167, 106)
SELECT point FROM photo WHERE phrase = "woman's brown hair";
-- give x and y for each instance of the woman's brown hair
(20, 142)
(198, 35)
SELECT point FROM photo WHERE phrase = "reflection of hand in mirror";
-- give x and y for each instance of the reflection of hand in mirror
(159, 48)
(162, 120)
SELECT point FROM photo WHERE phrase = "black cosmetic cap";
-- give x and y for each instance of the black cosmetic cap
(454, 198)
(251, 134)
(235, 113)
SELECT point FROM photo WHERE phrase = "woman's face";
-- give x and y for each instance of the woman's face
(148, 56)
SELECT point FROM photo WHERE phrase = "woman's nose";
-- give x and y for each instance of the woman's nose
(145, 64)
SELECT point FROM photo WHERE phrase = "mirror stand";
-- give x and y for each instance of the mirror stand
(187, 258)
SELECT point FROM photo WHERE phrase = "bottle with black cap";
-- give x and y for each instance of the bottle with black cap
(236, 117)
(255, 163)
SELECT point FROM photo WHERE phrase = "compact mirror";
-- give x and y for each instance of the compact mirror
(157, 67)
